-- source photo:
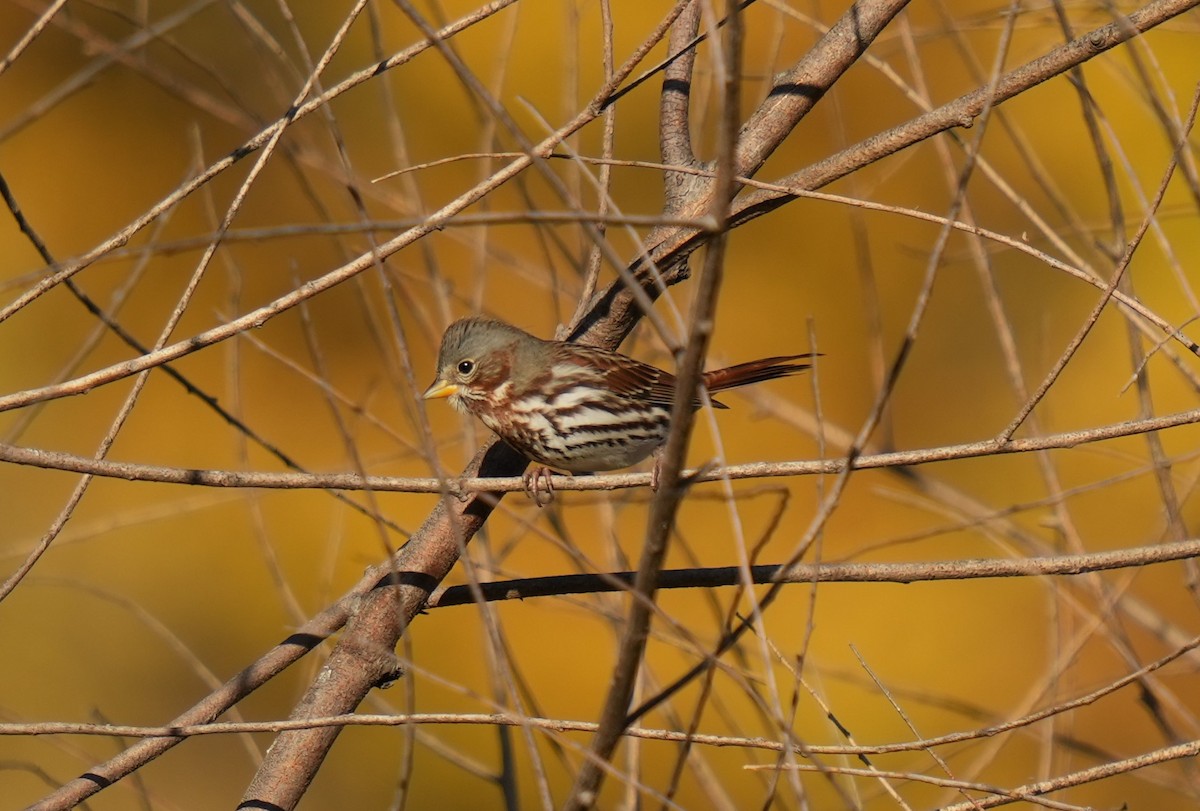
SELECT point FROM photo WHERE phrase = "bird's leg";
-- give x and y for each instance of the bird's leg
(534, 480)
(656, 471)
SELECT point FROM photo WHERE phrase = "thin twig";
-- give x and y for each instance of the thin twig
(133, 471)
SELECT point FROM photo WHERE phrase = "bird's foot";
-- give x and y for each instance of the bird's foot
(538, 485)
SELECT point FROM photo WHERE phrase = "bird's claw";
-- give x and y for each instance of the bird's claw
(534, 481)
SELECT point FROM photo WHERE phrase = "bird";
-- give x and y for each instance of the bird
(567, 406)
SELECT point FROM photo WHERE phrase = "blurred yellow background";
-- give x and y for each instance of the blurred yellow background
(152, 590)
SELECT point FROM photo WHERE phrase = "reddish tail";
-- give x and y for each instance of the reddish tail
(756, 371)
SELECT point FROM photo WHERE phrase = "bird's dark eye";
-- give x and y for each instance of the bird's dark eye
(465, 367)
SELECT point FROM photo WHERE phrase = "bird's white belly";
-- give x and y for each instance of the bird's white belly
(598, 458)
(583, 438)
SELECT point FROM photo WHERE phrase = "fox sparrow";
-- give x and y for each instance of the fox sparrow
(571, 407)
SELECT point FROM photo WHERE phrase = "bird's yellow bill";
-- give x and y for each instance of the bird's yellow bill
(440, 388)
